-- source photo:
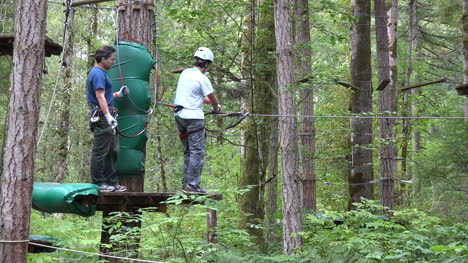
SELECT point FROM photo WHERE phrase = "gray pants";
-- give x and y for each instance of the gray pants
(192, 135)
(106, 148)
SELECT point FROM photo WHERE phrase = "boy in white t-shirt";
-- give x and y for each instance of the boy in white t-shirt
(192, 88)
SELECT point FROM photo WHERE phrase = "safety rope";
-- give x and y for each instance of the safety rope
(62, 66)
(121, 79)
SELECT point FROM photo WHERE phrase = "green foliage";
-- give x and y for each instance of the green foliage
(410, 236)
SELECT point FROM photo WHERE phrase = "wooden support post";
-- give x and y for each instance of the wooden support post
(212, 223)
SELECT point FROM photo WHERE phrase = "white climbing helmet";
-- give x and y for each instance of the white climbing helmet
(204, 53)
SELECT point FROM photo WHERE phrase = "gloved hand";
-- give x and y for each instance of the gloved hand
(112, 122)
(124, 91)
(218, 111)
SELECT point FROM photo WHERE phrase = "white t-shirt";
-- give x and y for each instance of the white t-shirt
(192, 88)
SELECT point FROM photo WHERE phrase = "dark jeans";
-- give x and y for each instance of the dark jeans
(106, 148)
(193, 139)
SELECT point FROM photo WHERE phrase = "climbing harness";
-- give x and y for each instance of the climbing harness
(94, 117)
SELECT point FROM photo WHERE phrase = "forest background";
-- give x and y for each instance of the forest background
(430, 193)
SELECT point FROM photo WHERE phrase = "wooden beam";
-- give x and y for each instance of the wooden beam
(383, 84)
(179, 70)
(304, 80)
(86, 2)
(347, 85)
(423, 84)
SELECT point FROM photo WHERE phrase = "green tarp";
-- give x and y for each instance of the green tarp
(132, 67)
(79, 199)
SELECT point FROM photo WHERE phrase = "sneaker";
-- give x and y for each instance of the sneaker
(193, 189)
(106, 188)
(120, 188)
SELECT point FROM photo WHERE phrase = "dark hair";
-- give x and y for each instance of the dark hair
(103, 52)
(201, 62)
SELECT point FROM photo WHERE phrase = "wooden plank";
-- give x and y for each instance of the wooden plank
(6, 46)
(462, 90)
(423, 84)
(383, 84)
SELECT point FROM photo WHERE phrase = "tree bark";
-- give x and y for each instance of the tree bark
(17, 178)
(412, 42)
(251, 203)
(307, 125)
(387, 104)
(292, 187)
(361, 166)
(265, 75)
(64, 121)
(135, 26)
(465, 54)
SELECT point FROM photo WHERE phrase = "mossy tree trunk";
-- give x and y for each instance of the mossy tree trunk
(65, 99)
(387, 107)
(361, 166)
(306, 94)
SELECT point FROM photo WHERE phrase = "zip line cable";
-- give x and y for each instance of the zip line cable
(93, 254)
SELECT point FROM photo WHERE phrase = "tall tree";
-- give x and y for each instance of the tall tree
(361, 102)
(265, 75)
(465, 48)
(291, 183)
(307, 125)
(16, 181)
(406, 131)
(64, 123)
(135, 26)
(251, 203)
(387, 105)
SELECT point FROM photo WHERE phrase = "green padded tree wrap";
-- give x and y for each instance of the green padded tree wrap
(79, 199)
(133, 64)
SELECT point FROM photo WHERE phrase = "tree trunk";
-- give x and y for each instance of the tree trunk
(265, 75)
(88, 137)
(387, 106)
(292, 187)
(361, 102)
(307, 125)
(393, 86)
(135, 26)
(412, 42)
(251, 203)
(16, 182)
(465, 53)
(64, 121)
(135, 22)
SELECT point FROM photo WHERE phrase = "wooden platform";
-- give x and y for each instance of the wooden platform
(131, 201)
(6, 46)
